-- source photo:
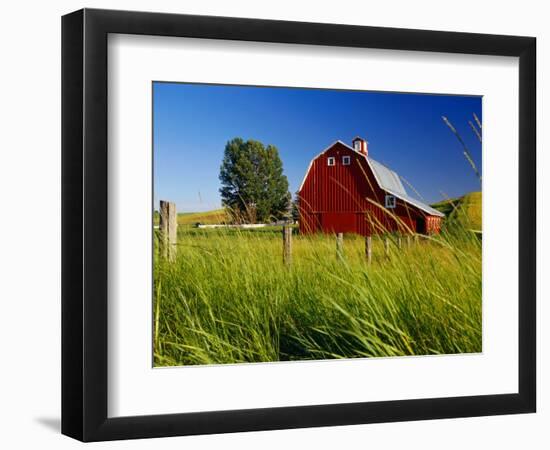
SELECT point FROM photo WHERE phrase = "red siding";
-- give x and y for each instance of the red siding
(348, 199)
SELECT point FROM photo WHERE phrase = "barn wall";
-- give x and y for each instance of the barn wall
(433, 225)
(346, 190)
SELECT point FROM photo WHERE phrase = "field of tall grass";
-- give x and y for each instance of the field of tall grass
(228, 298)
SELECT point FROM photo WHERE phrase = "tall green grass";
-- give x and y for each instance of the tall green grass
(228, 298)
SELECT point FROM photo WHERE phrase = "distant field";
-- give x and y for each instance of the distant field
(208, 217)
(465, 210)
(191, 218)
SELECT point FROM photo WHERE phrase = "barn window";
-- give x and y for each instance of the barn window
(346, 160)
(390, 201)
(331, 161)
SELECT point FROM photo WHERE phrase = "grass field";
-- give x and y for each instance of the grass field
(228, 298)
(208, 217)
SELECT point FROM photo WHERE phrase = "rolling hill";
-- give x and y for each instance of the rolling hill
(465, 209)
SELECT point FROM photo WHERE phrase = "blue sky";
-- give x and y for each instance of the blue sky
(193, 122)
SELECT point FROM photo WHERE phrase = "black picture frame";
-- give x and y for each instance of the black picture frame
(84, 224)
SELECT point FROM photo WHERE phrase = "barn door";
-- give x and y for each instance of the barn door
(421, 225)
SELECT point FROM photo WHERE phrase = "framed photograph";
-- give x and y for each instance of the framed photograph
(273, 224)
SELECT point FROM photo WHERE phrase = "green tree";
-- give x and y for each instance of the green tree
(253, 185)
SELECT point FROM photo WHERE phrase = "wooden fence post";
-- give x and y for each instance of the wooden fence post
(340, 245)
(386, 246)
(408, 241)
(287, 244)
(168, 230)
(399, 243)
(368, 248)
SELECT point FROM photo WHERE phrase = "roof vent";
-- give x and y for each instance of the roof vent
(360, 145)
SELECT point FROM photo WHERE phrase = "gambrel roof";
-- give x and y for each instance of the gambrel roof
(387, 179)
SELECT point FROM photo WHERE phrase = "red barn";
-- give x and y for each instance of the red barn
(345, 190)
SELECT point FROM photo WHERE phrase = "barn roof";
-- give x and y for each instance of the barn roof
(391, 182)
(387, 179)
